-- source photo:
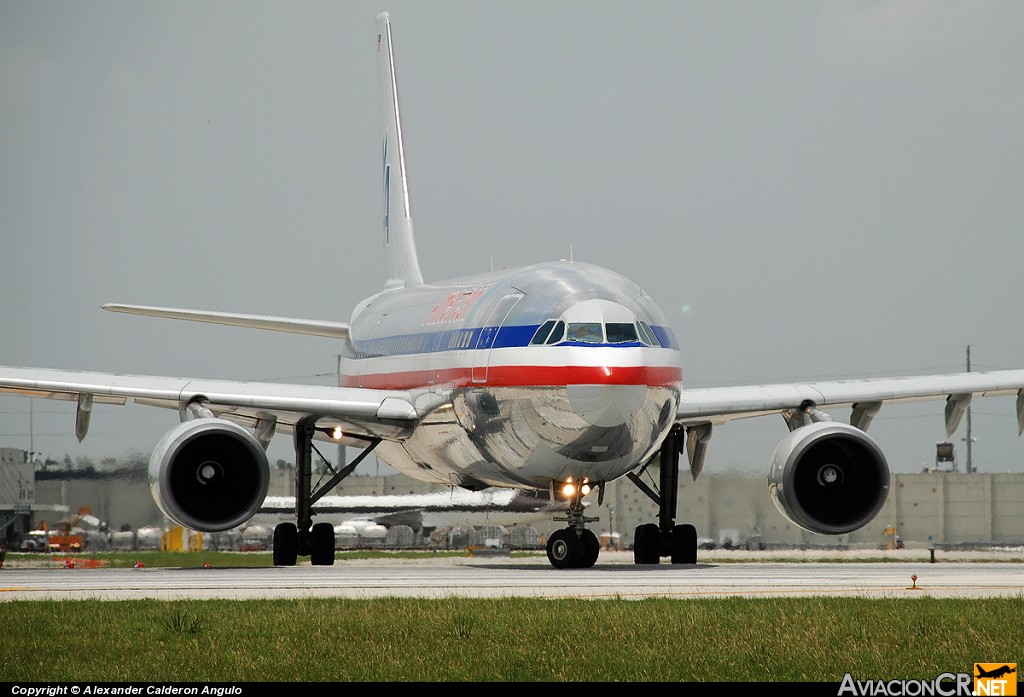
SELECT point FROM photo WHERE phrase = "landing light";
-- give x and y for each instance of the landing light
(569, 488)
(337, 434)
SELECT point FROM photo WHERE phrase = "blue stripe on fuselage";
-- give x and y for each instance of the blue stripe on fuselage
(468, 339)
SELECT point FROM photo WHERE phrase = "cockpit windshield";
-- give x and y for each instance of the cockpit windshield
(551, 332)
(556, 331)
(587, 332)
(542, 333)
(621, 332)
(647, 334)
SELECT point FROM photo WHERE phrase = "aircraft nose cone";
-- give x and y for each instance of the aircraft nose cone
(607, 405)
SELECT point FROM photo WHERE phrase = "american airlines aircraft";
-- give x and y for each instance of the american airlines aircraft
(557, 377)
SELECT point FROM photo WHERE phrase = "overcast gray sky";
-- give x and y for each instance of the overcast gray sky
(809, 189)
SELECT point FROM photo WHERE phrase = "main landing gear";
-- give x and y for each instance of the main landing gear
(574, 546)
(666, 539)
(303, 538)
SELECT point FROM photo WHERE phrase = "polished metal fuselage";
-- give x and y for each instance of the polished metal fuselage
(516, 413)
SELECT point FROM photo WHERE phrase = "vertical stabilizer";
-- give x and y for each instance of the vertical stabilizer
(403, 266)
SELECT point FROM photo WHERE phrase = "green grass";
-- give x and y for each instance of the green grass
(494, 640)
(501, 640)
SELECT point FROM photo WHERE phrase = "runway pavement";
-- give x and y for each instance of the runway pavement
(614, 576)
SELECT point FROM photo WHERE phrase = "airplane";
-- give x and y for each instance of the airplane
(431, 510)
(996, 672)
(560, 376)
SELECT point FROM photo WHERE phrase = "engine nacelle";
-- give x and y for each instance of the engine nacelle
(829, 477)
(209, 475)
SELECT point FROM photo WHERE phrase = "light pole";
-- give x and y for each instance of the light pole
(969, 439)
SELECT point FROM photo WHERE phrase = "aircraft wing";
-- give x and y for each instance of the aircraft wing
(386, 414)
(715, 405)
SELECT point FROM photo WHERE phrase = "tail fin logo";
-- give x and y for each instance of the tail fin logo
(387, 194)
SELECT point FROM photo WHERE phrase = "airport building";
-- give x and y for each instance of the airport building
(17, 494)
(943, 509)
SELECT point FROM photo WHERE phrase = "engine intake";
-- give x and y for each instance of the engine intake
(209, 475)
(828, 477)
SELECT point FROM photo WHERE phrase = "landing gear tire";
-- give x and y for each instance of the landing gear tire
(286, 544)
(684, 544)
(565, 549)
(591, 549)
(647, 544)
(322, 545)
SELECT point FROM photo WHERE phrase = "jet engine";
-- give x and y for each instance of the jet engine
(829, 477)
(209, 475)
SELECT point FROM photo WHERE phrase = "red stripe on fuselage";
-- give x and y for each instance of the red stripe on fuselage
(520, 376)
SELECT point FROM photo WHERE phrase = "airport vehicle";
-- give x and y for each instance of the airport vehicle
(559, 377)
(72, 533)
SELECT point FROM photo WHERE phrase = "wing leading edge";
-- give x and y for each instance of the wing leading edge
(799, 402)
(388, 414)
(716, 405)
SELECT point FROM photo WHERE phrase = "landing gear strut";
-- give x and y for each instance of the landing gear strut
(666, 539)
(574, 546)
(303, 538)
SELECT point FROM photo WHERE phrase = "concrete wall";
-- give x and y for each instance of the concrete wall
(118, 500)
(942, 508)
(1007, 506)
(958, 508)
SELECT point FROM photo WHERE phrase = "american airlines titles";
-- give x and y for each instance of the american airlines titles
(454, 307)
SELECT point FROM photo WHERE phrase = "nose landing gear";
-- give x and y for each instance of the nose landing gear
(571, 548)
(574, 546)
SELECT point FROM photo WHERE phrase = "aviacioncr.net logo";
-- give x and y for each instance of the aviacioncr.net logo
(995, 679)
(945, 685)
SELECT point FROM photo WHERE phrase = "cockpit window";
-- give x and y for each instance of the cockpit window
(557, 333)
(621, 332)
(587, 332)
(542, 333)
(647, 334)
